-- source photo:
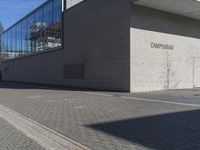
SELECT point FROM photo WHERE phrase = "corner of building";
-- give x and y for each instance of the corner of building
(97, 38)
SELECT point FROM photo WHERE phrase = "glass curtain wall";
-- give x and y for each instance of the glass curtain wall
(30, 34)
(39, 31)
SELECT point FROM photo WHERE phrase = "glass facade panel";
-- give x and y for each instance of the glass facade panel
(40, 30)
(18, 38)
(9, 40)
(57, 23)
(3, 43)
(24, 48)
(31, 34)
(13, 39)
(48, 31)
(6, 41)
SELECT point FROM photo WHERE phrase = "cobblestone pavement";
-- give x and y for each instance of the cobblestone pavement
(12, 139)
(106, 122)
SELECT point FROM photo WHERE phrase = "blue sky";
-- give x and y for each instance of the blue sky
(13, 10)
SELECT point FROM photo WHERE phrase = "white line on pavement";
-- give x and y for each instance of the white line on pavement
(97, 94)
(33, 97)
(47, 138)
(161, 101)
(143, 99)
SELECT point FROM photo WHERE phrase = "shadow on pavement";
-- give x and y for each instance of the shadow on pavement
(18, 85)
(174, 131)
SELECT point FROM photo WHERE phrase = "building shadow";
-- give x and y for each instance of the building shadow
(20, 85)
(24, 86)
(174, 131)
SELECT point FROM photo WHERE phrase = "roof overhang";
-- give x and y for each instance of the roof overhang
(189, 8)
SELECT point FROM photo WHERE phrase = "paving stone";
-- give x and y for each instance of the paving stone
(12, 139)
(108, 122)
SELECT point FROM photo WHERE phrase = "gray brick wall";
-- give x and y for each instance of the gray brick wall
(97, 35)
(45, 68)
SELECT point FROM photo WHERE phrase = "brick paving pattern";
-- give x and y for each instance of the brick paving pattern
(12, 139)
(108, 122)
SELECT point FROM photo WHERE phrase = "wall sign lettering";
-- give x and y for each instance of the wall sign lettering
(162, 46)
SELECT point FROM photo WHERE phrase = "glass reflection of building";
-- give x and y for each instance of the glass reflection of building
(39, 31)
(1, 31)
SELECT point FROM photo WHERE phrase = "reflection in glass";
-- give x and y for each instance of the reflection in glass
(57, 23)
(24, 37)
(19, 38)
(30, 36)
(39, 31)
(38, 28)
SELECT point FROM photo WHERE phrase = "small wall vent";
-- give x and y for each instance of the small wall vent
(74, 71)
